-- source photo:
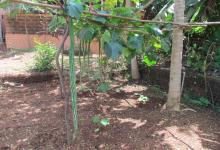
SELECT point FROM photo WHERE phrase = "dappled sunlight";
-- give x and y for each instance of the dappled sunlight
(177, 138)
(85, 102)
(138, 88)
(55, 91)
(125, 104)
(56, 105)
(135, 122)
(21, 58)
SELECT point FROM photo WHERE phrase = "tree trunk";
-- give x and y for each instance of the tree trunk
(135, 74)
(174, 94)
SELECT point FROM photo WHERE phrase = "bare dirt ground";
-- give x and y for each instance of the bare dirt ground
(32, 117)
(15, 61)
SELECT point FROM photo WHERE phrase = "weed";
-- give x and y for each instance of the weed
(100, 122)
(142, 99)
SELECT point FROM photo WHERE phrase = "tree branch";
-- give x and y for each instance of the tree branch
(184, 25)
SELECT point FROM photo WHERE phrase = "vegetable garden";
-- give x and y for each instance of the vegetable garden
(112, 107)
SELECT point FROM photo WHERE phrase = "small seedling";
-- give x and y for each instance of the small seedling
(100, 122)
(142, 99)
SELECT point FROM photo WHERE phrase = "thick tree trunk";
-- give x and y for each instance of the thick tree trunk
(174, 95)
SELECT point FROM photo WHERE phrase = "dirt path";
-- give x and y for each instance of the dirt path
(15, 61)
(32, 117)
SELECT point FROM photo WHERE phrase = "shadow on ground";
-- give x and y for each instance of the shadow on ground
(32, 117)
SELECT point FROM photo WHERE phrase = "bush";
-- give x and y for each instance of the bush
(43, 59)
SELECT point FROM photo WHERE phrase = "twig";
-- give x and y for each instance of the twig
(115, 27)
(179, 140)
(128, 103)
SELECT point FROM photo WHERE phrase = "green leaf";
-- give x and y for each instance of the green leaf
(127, 53)
(106, 37)
(135, 42)
(100, 19)
(86, 34)
(5, 4)
(104, 122)
(153, 30)
(74, 9)
(113, 50)
(95, 119)
(149, 62)
(143, 99)
(165, 45)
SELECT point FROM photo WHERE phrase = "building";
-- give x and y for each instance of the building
(21, 31)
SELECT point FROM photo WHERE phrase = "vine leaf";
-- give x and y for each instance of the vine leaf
(86, 34)
(74, 9)
(113, 50)
(154, 30)
(135, 42)
(148, 61)
(106, 37)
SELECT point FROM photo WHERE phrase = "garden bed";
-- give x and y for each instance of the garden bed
(32, 117)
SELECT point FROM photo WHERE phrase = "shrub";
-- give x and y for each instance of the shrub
(43, 59)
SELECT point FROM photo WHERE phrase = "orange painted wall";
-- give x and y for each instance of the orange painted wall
(17, 27)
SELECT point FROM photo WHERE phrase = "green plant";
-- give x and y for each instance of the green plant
(191, 98)
(142, 99)
(100, 122)
(43, 59)
(103, 87)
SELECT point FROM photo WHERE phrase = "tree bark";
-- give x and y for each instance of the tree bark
(135, 74)
(174, 94)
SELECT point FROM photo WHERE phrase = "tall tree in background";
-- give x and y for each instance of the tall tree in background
(174, 95)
